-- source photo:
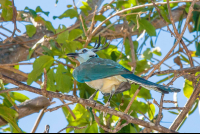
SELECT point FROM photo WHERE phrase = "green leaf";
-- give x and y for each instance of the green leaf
(166, 78)
(51, 80)
(151, 111)
(92, 129)
(68, 6)
(151, 43)
(38, 66)
(75, 33)
(184, 59)
(18, 96)
(49, 26)
(7, 11)
(31, 11)
(86, 91)
(148, 54)
(127, 47)
(38, 9)
(172, 112)
(62, 37)
(54, 49)
(71, 46)
(101, 18)
(146, 25)
(63, 79)
(141, 66)
(157, 51)
(187, 88)
(139, 106)
(165, 15)
(198, 50)
(144, 93)
(71, 13)
(10, 116)
(30, 30)
(82, 117)
(85, 8)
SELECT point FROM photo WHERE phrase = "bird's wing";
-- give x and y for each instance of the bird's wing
(97, 68)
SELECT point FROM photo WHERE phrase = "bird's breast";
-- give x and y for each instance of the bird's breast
(106, 85)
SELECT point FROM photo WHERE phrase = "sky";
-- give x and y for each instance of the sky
(56, 119)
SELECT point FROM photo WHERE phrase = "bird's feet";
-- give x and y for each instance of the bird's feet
(90, 99)
(106, 105)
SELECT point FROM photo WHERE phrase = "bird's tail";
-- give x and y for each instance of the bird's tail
(149, 85)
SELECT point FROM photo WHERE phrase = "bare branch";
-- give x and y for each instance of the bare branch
(38, 121)
(187, 108)
(71, 127)
(179, 71)
(56, 108)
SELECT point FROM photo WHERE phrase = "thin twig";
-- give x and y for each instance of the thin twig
(89, 37)
(13, 64)
(56, 108)
(38, 121)
(69, 109)
(13, 103)
(105, 128)
(74, 5)
(160, 110)
(177, 35)
(132, 8)
(93, 22)
(144, 115)
(72, 127)
(14, 20)
(169, 101)
(179, 71)
(74, 89)
(80, 16)
(45, 83)
(167, 108)
(47, 128)
(129, 105)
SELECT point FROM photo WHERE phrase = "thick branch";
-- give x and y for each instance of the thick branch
(88, 103)
(187, 108)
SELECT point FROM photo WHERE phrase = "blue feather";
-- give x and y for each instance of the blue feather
(97, 68)
(149, 85)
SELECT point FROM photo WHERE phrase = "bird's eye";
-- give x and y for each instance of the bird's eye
(84, 50)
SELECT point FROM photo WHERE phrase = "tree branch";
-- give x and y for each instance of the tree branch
(88, 103)
(187, 108)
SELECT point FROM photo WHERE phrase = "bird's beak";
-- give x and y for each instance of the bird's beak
(74, 55)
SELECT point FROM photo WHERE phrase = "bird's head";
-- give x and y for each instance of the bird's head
(85, 54)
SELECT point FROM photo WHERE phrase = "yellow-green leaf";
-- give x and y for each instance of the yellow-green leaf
(151, 111)
(187, 88)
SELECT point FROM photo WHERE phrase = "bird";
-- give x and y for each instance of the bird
(108, 76)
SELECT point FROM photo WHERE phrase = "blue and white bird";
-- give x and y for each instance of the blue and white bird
(108, 76)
